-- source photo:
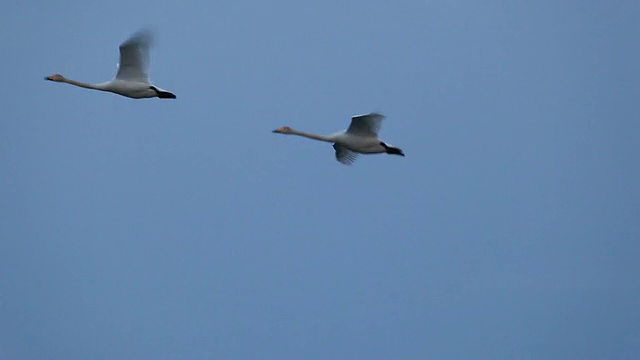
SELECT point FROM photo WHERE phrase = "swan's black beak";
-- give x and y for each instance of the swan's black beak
(274, 131)
(47, 78)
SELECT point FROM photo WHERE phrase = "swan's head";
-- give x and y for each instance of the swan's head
(55, 77)
(283, 130)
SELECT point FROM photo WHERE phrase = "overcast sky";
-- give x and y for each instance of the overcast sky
(184, 229)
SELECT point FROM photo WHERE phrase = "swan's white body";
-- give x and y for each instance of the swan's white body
(361, 137)
(132, 78)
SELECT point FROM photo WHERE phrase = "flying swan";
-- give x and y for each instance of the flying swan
(132, 78)
(360, 138)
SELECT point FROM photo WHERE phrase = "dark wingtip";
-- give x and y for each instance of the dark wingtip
(166, 95)
(162, 94)
(391, 150)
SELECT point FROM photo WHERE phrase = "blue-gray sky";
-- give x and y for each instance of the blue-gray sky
(152, 229)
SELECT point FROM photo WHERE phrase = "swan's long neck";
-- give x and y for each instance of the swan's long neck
(85, 85)
(327, 138)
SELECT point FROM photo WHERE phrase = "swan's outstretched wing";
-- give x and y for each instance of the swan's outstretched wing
(365, 125)
(134, 57)
(345, 155)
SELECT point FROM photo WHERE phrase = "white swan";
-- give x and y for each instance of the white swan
(132, 78)
(360, 138)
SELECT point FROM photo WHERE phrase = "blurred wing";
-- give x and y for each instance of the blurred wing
(345, 155)
(134, 57)
(365, 125)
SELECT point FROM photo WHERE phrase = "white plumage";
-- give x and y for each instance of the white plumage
(361, 137)
(132, 77)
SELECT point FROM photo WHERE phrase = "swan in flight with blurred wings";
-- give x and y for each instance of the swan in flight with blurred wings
(360, 138)
(132, 78)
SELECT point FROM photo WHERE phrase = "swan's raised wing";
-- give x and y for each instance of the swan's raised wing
(345, 155)
(134, 57)
(365, 125)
